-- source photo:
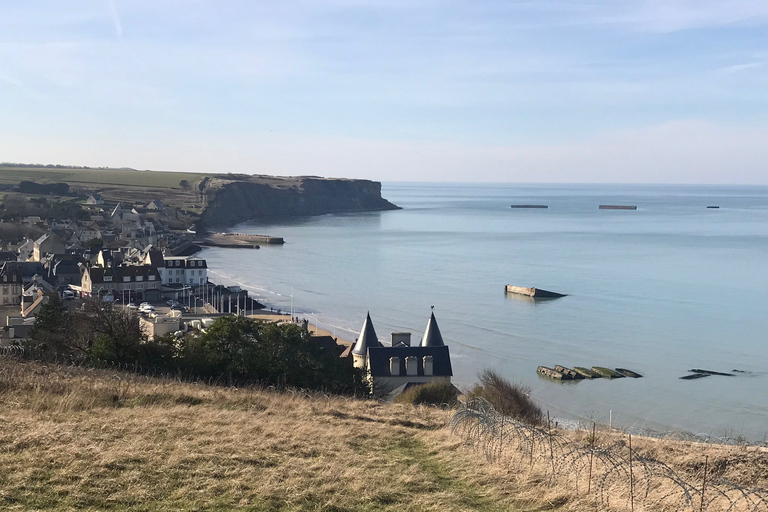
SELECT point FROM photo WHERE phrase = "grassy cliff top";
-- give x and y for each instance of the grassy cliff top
(12, 174)
(83, 439)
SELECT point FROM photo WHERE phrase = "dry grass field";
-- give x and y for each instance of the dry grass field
(77, 439)
(81, 439)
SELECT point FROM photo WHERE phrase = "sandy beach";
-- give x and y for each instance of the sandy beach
(271, 316)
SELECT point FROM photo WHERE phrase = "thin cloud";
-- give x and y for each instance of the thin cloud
(116, 19)
(738, 68)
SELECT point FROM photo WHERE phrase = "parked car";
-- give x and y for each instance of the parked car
(67, 295)
(131, 305)
(148, 308)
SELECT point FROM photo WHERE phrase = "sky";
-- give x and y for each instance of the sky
(616, 91)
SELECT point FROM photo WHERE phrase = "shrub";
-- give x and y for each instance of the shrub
(508, 399)
(442, 394)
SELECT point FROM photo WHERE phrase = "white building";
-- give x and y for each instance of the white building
(185, 270)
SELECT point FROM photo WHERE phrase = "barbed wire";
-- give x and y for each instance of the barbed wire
(609, 474)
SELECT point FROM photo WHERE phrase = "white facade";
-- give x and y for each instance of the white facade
(184, 270)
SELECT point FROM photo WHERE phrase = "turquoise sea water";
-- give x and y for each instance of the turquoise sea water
(660, 290)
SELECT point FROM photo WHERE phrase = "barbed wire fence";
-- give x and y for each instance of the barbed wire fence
(613, 475)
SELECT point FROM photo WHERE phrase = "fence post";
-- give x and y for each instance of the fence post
(551, 452)
(591, 454)
(531, 438)
(631, 478)
(704, 483)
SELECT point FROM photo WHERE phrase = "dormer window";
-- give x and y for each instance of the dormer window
(152, 277)
(126, 279)
(139, 278)
(107, 279)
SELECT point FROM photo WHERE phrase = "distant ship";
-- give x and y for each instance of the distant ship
(617, 207)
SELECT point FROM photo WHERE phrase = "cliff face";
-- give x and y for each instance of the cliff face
(229, 200)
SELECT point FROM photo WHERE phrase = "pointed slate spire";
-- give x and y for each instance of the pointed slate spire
(367, 338)
(432, 336)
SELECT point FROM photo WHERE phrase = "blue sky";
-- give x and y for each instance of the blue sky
(672, 91)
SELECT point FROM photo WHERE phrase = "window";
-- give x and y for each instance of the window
(107, 279)
(126, 279)
(139, 278)
(151, 277)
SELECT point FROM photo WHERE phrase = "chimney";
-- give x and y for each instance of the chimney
(401, 338)
(394, 366)
(411, 365)
(428, 369)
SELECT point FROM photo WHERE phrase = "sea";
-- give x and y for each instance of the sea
(671, 286)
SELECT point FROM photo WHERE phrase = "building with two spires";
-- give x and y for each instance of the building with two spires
(393, 369)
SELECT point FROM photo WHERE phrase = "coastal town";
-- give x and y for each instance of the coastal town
(138, 259)
(127, 255)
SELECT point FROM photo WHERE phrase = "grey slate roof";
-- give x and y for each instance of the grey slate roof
(118, 273)
(432, 336)
(367, 339)
(378, 360)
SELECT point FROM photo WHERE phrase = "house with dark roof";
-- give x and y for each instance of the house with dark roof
(127, 282)
(47, 244)
(94, 199)
(10, 284)
(184, 271)
(156, 204)
(401, 365)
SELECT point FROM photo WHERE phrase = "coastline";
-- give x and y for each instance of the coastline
(271, 316)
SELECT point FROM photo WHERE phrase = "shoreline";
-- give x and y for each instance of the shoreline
(271, 316)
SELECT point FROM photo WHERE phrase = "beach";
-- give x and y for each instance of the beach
(271, 316)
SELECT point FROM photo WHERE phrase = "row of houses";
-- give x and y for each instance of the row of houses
(131, 275)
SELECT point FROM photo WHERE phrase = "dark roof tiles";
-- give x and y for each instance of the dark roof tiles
(432, 336)
(367, 338)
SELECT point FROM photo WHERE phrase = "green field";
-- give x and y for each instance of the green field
(124, 177)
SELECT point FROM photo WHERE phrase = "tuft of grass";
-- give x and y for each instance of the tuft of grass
(509, 399)
(440, 394)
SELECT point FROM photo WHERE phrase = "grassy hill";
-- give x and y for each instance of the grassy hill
(72, 438)
(10, 174)
(82, 439)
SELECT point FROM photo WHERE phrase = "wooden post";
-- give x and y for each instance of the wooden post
(591, 454)
(531, 437)
(704, 483)
(631, 479)
(551, 452)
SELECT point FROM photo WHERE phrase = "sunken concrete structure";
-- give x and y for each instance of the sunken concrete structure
(393, 369)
